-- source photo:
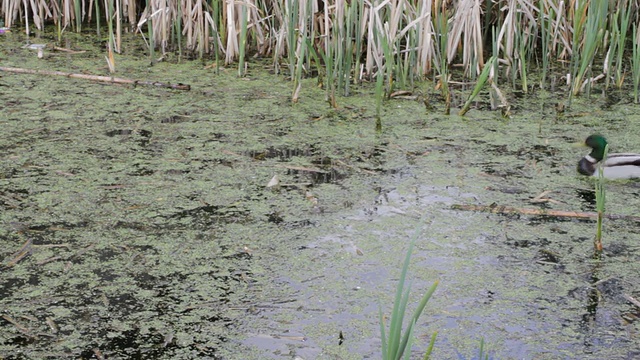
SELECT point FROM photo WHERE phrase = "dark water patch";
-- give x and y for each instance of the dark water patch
(19, 341)
(300, 224)
(9, 173)
(106, 255)
(143, 137)
(497, 169)
(612, 289)
(13, 198)
(275, 217)
(217, 161)
(174, 119)
(316, 177)
(588, 199)
(141, 170)
(282, 154)
(513, 190)
(119, 132)
(536, 152)
(581, 239)
(548, 257)
(617, 249)
(176, 172)
(125, 304)
(217, 137)
(526, 243)
(56, 226)
(282, 131)
(542, 219)
(145, 280)
(611, 98)
(133, 225)
(100, 153)
(152, 344)
(9, 285)
(208, 215)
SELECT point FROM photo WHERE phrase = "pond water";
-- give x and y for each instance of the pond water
(136, 222)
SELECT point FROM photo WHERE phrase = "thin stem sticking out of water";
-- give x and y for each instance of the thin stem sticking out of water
(243, 38)
(635, 60)
(600, 203)
(442, 28)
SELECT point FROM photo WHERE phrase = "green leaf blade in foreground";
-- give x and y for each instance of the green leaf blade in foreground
(395, 345)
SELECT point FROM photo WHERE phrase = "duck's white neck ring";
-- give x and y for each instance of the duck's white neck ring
(590, 159)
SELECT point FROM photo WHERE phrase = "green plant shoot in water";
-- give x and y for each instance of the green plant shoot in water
(395, 344)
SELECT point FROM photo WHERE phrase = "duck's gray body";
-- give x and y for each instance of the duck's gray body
(615, 166)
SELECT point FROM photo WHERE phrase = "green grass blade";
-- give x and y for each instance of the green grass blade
(482, 79)
(427, 355)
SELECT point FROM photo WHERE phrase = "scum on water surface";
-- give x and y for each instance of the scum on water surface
(137, 222)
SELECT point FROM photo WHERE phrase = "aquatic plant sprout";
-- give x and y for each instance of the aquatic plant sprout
(600, 201)
(635, 60)
(397, 344)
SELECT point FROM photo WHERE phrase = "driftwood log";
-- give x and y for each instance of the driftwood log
(499, 209)
(108, 79)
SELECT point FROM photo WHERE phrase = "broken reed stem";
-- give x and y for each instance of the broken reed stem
(600, 203)
(20, 254)
(108, 79)
(509, 210)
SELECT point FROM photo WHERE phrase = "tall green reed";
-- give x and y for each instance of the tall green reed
(591, 26)
(244, 10)
(441, 26)
(110, 14)
(78, 15)
(635, 62)
(546, 32)
(150, 33)
(96, 5)
(619, 29)
(291, 9)
(482, 80)
(379, 99)
(600, 202)
(396, 343)
(177, 30)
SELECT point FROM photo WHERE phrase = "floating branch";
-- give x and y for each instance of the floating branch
(20, 254)
(108, 79)
(631, 300)
(500, 209)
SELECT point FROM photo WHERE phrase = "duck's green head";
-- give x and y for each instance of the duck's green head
(597, 143)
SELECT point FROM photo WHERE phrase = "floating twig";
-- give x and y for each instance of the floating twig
(20, 254)
(23, 329)
(632, 300)
(501, 209)
(68, 51)
(108, 79)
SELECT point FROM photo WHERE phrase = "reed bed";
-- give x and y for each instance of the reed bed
(346, 42)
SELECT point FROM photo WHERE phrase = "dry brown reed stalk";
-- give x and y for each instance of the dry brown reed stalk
(397, 37)
(426, 36)
(512, 26)
(466, 30)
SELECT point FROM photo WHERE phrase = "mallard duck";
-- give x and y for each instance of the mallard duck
(616, 166)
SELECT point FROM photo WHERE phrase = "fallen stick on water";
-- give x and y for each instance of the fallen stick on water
(631, 300)
(500, 209)
(108, 79)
